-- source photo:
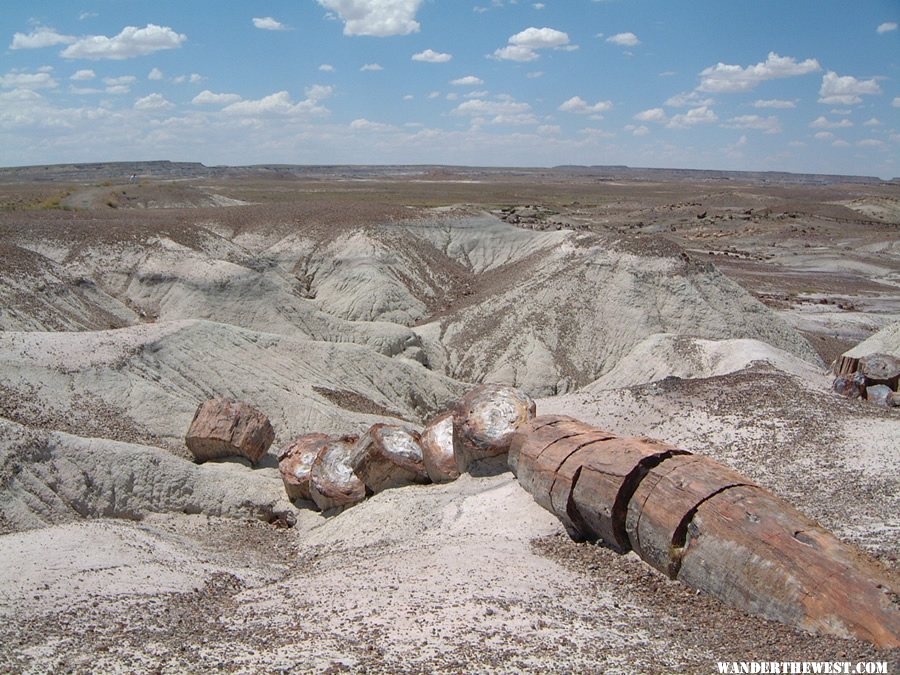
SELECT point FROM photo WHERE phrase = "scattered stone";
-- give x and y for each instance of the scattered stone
(332, 482)
(226, 428)
(485, 420)
(851, 386)
(881, 394)
(295, 461)
(389, 456)
(437, 449)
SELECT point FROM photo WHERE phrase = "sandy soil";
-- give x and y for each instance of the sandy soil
(699, 310)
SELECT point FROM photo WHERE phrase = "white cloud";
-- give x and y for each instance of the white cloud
(268, 23)
(434, 94)
(371, 67)
(896, 102)
(886, 27)
(823, 122)
(279, 103)
(467, 81)
(538, 5)
(534, 74)
(40, 37)
(19, 80)
(688, 99)
(153, 102)
(431, 56)
(870, 143)
(823, 135)
(651, 115)
(774, 103)
(873, 122)
(378, 18)
(846, 90)
(768, 125)
(82, 75)
(694, 116)
(523, 46)
(548, 129)
(624, 39)
(496, 112)
(206, 97)
(319, 92)
(196, 78)
(129, 43)
(326, 68)
(841, 143)
(155, 74)
(640, 130)
(578, 105)
(365, 125)
(728, 78)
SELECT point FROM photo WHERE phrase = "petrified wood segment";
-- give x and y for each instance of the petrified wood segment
(880, 369)
(389, 456)
(485, 420)
(665, 501)
(225, 428)
(755, 551)
(332, 483)
(295, 461)
(524, 433)
(437, 449)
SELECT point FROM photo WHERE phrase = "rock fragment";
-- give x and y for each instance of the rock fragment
(332, 482)
(881, 369)
(485, 420)
(851, 386)
(295, 461)
(881, 394)
(437, 449)
(389, 456)
(226, 428)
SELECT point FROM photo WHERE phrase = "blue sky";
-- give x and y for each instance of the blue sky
(811, 86)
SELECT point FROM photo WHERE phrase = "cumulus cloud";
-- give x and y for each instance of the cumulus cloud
(624, 39)
(896, 102)
(651, 115)
(378, 18)
(823, 122)
(129, 43)
(268, 23)
(365, 125)
(40, 37)
(371, 67)
(726, 78)
(279, 103)
(431, 56)
(578, 105)
(823, 135)
(639, 130)
(153, 102)
(467, 81)
(768, 125)
(326, 68)
(688, 99)
(20, 80)
(774, 103)
(504, 111)
(886, 27)
(846, 90)
(524, 46)
(872, 122)
(155, 74)
(206, 97)
(82, 75)
(694, 116)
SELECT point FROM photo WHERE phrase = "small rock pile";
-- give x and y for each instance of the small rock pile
(336, 472)
(873, 378)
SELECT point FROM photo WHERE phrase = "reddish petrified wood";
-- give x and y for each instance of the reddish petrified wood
(665, 501)
(437, 449)
(225, 428)
(332, 483)
(605, 475)
(295, 461)
(389, 456)
(753, 550)
(485, 420)
(524, 434)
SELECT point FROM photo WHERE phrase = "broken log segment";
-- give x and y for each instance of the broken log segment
(437, 449)
(389, 456)
(880, 369)
(332, 482)
(295, 461)
(706, 525)
(226, 428)
(485, 420)
(754, 551)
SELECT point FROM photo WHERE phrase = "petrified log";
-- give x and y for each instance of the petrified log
(880, 369)
(698, 521)
(851, 386)
(754, 551)
(389, 456)
(846, 365)
(485, 420)
(332, 482)
(437, 449)
(226, 428)
(295, 461)
(881, 394)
